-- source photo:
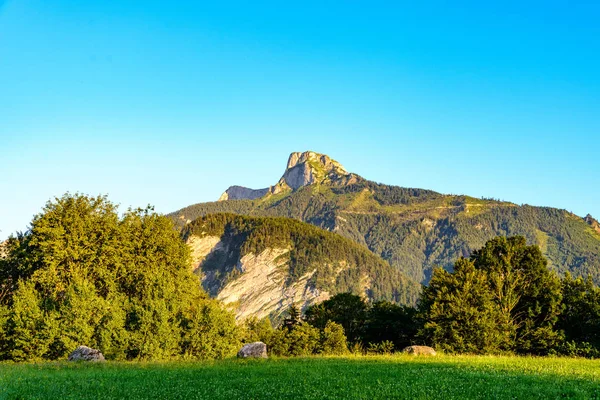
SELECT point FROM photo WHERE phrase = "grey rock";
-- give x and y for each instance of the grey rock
(419, 350)
(253, 350)
(84, 353)
(242, 193)
(303, 169)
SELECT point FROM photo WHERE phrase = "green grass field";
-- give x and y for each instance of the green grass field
(442, 377)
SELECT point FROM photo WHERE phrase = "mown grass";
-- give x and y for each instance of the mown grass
(442, 377)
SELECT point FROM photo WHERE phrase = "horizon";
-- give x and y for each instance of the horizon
(122, 208)
(171, 105)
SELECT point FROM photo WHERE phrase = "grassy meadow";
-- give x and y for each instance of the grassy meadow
(376, 377)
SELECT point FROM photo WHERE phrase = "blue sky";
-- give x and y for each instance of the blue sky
(169, 103)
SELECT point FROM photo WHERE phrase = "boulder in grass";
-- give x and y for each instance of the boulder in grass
(84, 353)
(419, 350)
(253, 350)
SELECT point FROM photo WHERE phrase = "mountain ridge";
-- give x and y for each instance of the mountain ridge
(303, 169)
(263, 265)
(417, 230)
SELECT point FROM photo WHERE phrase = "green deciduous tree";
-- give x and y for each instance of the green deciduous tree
(333, 339)
(391, 322)
(303, 340)
(296, 339)
(119, 284)
(346, 309)
(580, 318)
(209, 331)
(30, 330)
(257, 330)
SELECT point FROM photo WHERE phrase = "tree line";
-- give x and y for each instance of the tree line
(503, 299)
(84, 274)
(416, 230)
(309, 249)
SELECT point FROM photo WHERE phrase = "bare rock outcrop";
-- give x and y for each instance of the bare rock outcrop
(303, 169)
(261, 287)
(419, 350)
(253, 350)
(592, 222)
(242, 193)
(84, 353)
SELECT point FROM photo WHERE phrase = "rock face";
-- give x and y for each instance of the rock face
(84, 353)
(303, 169)
(308, 168)
(253, 350)
(261, 286)
(242, 193)
(419, 350)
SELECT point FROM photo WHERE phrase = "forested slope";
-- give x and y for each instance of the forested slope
(292, 262)
(416, 230)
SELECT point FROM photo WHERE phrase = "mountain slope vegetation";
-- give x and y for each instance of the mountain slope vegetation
(416, 230)
(277, 262)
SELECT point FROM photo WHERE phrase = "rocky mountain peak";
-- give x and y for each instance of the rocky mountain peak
(315, 159)
(303, 169)
(308, 168)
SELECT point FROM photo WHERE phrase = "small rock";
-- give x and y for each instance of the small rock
(253, 350)
(84, 353)
(419, 350)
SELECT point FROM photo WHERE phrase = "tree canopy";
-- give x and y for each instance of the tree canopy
(504, 298)
(82, 274)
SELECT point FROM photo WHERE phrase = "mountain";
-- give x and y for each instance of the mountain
(303, 169)
(263, 265)
(415, 230)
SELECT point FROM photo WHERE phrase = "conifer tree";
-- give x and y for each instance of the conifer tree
(503, 299)
(527, 292)
(461, 315)
(580, 318)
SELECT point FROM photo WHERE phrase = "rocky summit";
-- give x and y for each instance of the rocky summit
(303, 169)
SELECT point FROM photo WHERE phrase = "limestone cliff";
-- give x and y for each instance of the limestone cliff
(242, 193)
(261, 265)
(260, 286)
(303, 169)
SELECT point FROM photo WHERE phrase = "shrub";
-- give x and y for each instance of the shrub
(385, 347)
(333, 340)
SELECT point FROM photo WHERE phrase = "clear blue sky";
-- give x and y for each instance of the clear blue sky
(170, 102)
